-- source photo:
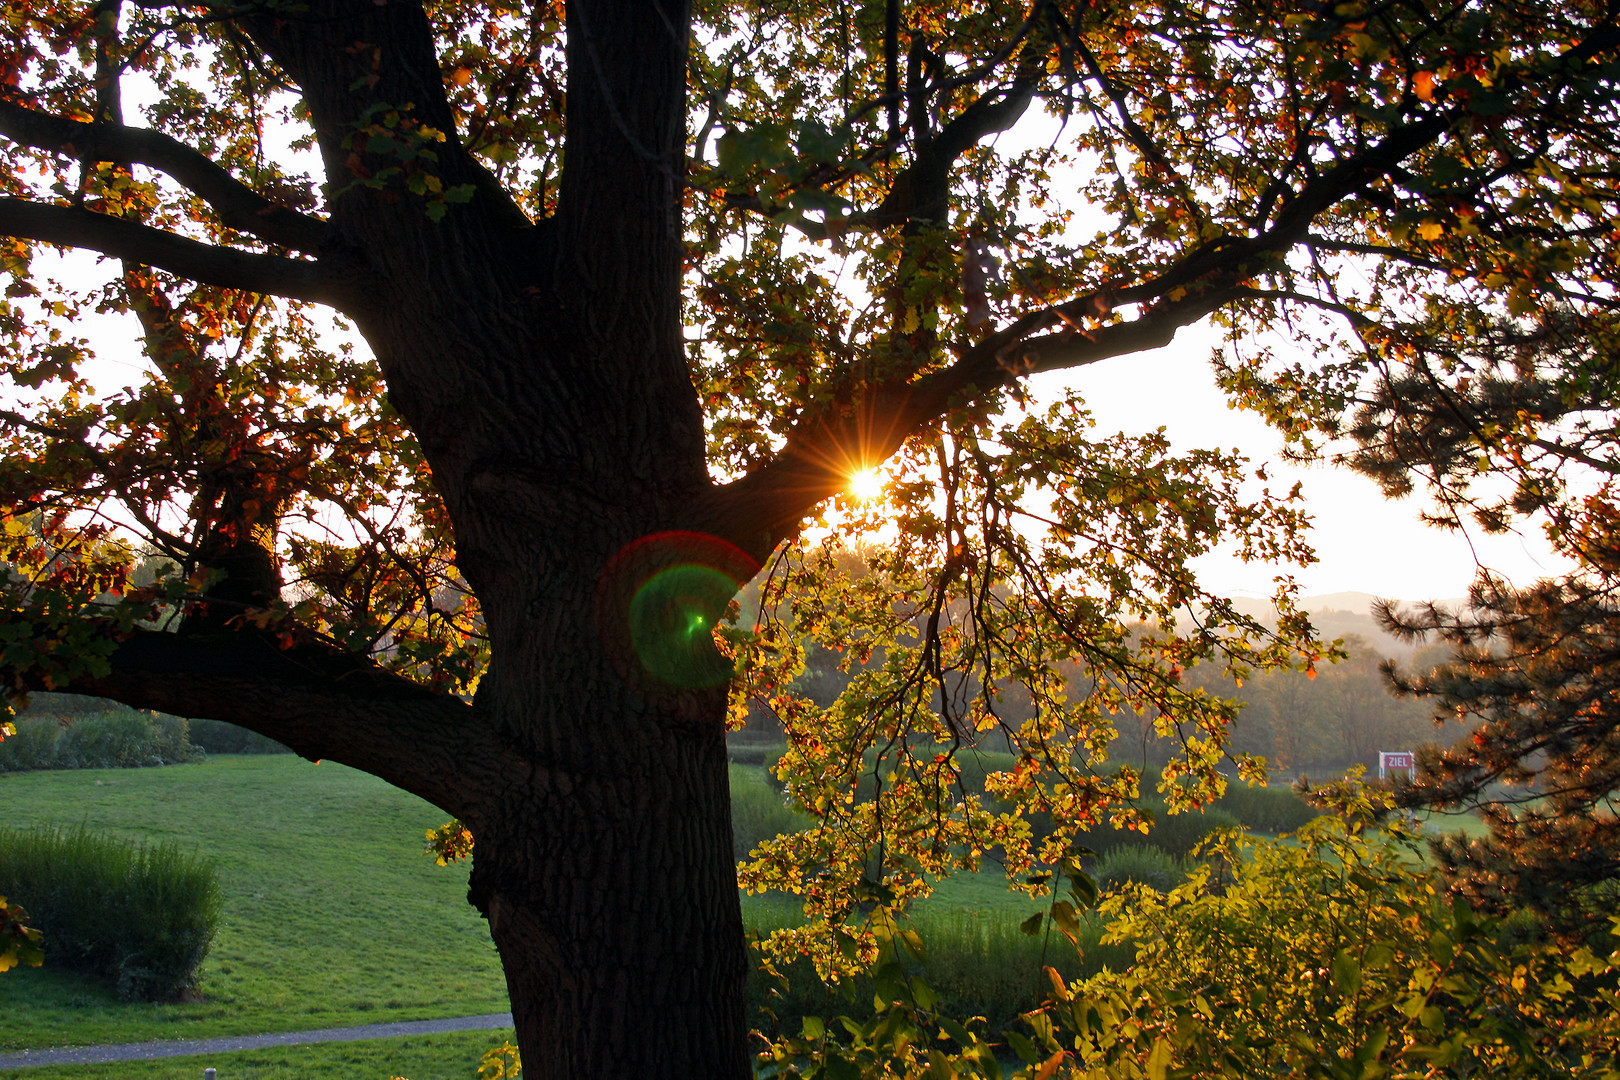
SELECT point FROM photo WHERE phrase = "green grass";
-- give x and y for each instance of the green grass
(330, 915)
(452, 1056)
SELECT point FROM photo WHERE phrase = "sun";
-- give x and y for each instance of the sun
(866, 484)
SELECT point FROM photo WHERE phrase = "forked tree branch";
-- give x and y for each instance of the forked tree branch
(756, 511)
(206, 263)
(238, 205)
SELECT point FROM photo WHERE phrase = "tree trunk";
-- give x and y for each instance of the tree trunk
(607, 876)
(603, 858)
(612, 898)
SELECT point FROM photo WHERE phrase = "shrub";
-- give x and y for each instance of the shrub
(765, 754)
(219, 737)
(125, 739)
(102, 739)
(1266, 809)
(1328, 954)
(1143, 864)
(32, 746)
(143, 915)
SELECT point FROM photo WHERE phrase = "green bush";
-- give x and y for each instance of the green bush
(219, 737)
(143, 915)
(105, 739)
(1266, 809)
(1142, 864)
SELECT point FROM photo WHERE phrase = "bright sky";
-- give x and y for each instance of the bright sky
(1365, 543)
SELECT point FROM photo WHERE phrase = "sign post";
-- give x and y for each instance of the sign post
(1394, 759)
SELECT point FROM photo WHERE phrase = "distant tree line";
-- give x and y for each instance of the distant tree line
(1340, 716)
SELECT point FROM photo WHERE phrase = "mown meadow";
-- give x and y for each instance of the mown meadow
(332, 916)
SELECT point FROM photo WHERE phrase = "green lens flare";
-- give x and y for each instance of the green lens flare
(670, 619)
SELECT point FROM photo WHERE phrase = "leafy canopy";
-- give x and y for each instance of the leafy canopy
(896, 219)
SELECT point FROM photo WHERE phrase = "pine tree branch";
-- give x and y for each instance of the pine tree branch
(212, 265)
(238, 205)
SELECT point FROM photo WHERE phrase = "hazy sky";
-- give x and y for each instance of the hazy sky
(1365, 543)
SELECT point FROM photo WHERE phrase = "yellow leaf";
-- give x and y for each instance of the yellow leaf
(1158, 1062)
(1431, 230)
(1049, 1066)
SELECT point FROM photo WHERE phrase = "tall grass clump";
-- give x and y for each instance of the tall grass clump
(1144, 864)
(142, 915)
(758, 812)
(1177, 834)
(979, 962)
(983, 964)
(763, 754)
(1271, 810)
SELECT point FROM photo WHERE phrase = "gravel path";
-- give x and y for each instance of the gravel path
(89, 1055)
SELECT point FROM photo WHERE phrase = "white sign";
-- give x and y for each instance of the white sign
(1395, 759)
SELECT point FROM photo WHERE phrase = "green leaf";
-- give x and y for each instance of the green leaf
(1022, 1047)
(1346, 972)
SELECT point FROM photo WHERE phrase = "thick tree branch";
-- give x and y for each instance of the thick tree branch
(758, 510)
(239, 206)
(920, 190)
(71, 227)
(320, 702)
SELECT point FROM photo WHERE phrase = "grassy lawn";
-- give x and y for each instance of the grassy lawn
(332, 915)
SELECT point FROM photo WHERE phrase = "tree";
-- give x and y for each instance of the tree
(1513, 425)
(485, 565)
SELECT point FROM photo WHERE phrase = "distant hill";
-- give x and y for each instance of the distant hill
(1336, 614)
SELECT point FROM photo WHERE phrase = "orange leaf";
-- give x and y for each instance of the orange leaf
(1423, 85)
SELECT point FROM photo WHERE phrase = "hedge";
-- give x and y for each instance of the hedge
(113, 739)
